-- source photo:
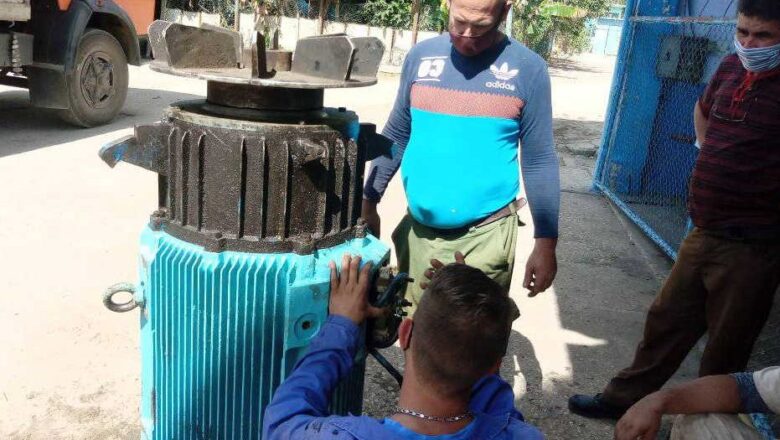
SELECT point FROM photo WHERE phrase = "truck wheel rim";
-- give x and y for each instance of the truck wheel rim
(97, 80)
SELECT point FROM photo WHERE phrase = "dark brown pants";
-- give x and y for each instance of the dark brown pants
(717, 286)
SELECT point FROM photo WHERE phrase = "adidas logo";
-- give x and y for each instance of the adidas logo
(503, 73)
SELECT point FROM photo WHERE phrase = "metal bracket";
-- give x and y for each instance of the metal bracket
(147, 148)
(387, 294)
(375, 144)
(383, 332)
(397, 375)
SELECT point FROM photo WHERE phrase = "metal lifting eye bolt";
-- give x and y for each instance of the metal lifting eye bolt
(108, 298)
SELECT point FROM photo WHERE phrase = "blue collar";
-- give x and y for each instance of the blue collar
(485, 427)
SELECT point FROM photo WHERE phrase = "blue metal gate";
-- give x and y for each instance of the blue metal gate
(668, 52)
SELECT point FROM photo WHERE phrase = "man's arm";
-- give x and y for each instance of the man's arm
(541, 175)
(711, 394)
(304, 396)
(700, 123)
(701, 110)
(398, 129)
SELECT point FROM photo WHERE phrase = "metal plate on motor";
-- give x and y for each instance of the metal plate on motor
(326, 57)
(183, 47)
(328, 61)
(368, 55)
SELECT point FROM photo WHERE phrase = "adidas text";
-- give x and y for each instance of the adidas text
(500, 85)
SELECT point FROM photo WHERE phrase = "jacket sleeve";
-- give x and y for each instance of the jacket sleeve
(759, 392)
(539, 161)
(398, 129)
(302, 401)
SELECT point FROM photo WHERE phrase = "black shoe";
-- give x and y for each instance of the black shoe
(595, 408)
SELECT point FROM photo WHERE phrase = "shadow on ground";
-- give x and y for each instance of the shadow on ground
(605, 283)
(19, 118)
(380, 395)
(578, 138)
(572, 65)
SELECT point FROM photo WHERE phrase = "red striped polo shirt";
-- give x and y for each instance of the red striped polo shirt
(736, 179)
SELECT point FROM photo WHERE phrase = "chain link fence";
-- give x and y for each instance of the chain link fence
(649, 147)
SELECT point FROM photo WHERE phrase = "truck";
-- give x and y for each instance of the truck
(73, 55)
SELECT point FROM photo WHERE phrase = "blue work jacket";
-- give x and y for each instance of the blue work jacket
(299, 409)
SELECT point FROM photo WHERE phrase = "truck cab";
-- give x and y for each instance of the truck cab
(73, 54)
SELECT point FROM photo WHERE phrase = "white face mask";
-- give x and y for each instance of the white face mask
(759, 59)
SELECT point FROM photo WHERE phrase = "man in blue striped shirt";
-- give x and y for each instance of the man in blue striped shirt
(465, 101)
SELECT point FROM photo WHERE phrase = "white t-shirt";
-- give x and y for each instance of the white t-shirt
(768, 386)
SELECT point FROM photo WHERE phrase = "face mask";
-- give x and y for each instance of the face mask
(760, 59)
(476, 44)
(473, 45)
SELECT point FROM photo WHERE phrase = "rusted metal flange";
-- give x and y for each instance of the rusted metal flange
(263, 98)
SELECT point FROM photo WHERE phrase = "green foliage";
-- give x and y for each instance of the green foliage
(540, 24)
(390, 13)
(398, 14)
(434, 15)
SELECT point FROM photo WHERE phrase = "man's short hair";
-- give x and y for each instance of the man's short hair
(461, 328)
(767, 10)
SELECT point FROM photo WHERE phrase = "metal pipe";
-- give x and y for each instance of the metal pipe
(682, 20)
(415, 20)
(323, 12)
(387, 366)
(237, 15)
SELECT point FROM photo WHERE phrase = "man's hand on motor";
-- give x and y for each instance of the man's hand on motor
(370, 215)
(641, 421)
(349, 290)
(436, 265)
(541, 267)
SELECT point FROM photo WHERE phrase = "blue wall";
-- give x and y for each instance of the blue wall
(606, 36)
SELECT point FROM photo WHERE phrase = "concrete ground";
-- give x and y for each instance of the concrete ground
(69, 226)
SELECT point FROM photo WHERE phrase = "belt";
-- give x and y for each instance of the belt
(771, 234)
(506, 211)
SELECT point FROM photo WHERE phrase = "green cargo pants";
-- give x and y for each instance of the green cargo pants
(490, 248)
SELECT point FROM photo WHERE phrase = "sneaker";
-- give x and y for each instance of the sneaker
(594, 407)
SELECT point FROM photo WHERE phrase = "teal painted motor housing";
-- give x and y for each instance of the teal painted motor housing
(221, 330)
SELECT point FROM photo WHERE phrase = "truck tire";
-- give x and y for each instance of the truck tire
(97, 84)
